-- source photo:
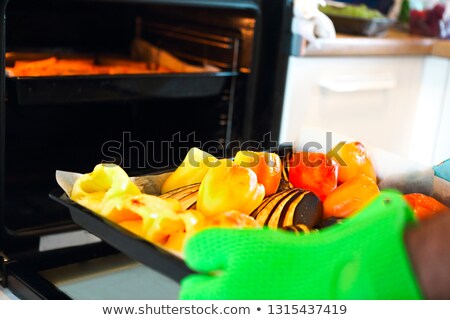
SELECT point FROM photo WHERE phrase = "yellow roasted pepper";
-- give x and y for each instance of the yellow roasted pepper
(107, 181)
(229, 187)
(138, 207)
(192, 170)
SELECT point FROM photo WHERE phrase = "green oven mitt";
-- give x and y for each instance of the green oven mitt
(364, 257)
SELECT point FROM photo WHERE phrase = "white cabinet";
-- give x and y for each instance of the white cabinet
(387, 102)
(442, 151)
(426, 136)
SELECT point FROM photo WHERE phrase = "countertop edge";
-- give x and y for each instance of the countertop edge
(395, 44)
(441, 48)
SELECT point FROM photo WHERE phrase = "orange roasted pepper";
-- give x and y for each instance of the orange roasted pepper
(267, 167)
(424, 206)
(229, 187)
(353, 160)
(349, 197)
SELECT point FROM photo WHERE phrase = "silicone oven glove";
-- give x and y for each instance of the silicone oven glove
(364, 257)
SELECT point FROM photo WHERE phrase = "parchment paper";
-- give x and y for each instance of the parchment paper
(149, 184)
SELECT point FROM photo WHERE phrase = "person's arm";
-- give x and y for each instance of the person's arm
(428, 245)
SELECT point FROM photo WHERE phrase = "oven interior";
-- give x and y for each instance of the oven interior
(144, 122)
(46, 131)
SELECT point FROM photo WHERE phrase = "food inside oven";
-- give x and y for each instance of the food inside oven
(145, 59)
(54, 66)
(199, 67)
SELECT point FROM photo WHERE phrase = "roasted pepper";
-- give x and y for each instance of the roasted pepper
(267, 167)
(190, 171)
(160, 221)
(172, 230)
(353, 160)
(231, 219)
(138, 207)
(314, 172)
(105, 182)
(229, 187)
(349, 197)
(424, 206)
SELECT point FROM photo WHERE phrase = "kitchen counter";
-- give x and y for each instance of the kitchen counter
(392, 44)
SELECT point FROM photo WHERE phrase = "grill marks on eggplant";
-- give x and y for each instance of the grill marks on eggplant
(277, 218)
(187, 196)
(290, 208)
(180, 192)
(288, 215)
(263, 212)
(293, 209)
(299, 228)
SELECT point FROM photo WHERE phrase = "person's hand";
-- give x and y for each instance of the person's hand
(364, 257)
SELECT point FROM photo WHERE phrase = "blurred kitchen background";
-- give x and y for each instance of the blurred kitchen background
(384, 79)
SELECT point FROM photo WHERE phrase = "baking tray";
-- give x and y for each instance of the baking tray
(133, 246)
(361, 26)
(128, 243)
(113, 88)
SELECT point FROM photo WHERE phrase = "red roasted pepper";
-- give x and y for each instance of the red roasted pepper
(314, 172)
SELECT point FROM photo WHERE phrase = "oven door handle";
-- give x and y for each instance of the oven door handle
(358, 83)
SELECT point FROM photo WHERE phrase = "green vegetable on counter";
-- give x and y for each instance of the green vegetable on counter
(354, 11)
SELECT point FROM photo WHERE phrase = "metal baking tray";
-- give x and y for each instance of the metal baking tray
(361, 26)
(129, 243)
(113, 88)
(133, 246)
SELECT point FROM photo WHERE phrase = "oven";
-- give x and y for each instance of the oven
(214, 75)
